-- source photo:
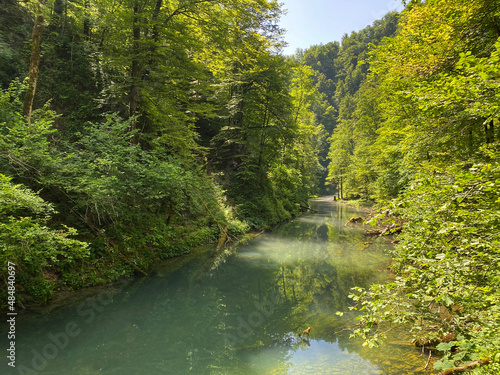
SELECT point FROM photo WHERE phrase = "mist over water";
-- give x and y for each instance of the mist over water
(239, 317)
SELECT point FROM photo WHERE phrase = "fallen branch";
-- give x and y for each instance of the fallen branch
(467, 367)
(126, 259)
(131, 263)
(355, 220)
(428, 360)
(223, 237)
(390, 229)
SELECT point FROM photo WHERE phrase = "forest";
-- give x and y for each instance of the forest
(133, 131)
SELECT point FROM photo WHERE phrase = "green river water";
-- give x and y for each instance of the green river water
(239, 314)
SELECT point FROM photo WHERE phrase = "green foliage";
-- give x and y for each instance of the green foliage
(268, 148)
(41, 254)
(447, 261)
(434, 145)
(354, 156)
(126, 201)
(158, 125)
(70, 79)
(15, 29)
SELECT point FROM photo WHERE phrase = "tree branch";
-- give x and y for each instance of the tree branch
(465, 368)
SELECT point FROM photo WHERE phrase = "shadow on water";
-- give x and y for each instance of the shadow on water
(239, 318)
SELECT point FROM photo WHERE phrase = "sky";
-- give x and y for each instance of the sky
(310, 22)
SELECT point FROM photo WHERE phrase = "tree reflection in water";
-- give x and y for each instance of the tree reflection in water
(241, 317)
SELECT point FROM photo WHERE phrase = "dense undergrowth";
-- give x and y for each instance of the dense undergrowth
(99, 207)
(447, 281)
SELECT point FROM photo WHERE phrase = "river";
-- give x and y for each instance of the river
(236, 314)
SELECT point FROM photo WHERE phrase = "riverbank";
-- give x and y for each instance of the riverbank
(213, 245)
(363, 204)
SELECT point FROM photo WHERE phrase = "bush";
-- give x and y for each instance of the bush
(447, 262)
(42, 255)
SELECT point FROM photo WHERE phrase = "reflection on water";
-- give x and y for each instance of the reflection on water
(242, 317)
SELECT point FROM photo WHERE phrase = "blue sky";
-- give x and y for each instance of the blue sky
(311, 22)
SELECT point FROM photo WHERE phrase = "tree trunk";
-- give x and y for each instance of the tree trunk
(471, 141)
(86, 20)
(263, 135)
(489, 130)
(134, 73)
(341, 187)
(155, 33)
(57, 16)
(36, 39)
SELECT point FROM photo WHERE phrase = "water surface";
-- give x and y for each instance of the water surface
(239, 314)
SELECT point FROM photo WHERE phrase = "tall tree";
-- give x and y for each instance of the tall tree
(36, 42)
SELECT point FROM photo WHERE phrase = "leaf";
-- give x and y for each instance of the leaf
(443, 364)
(445, 346)
(441, 256)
